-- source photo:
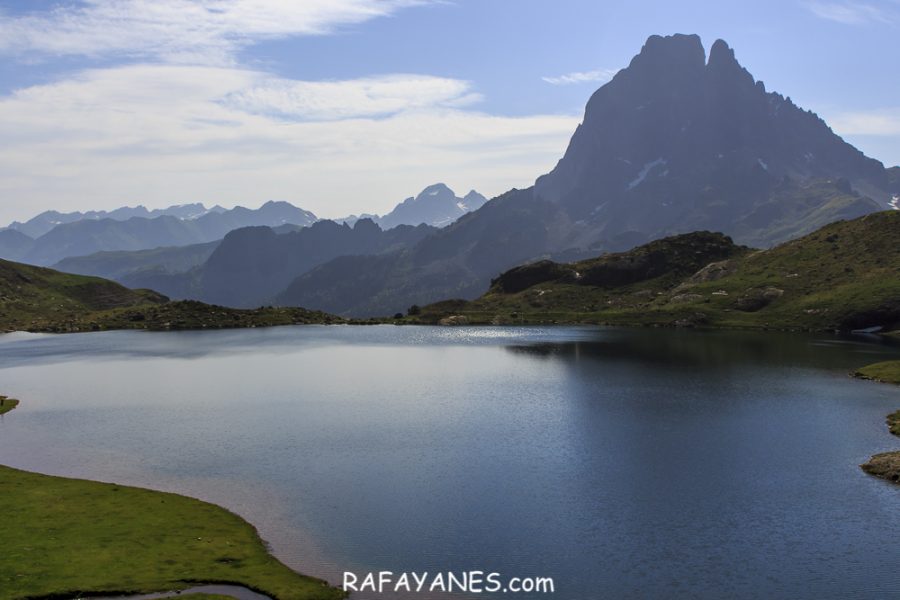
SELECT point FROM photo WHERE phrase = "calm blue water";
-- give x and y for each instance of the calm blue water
(622, 463)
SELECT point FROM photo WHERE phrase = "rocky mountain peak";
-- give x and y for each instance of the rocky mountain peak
(675, 134)
(677, 51)
(722, 63)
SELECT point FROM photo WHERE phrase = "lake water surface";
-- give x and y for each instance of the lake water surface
(622, 463)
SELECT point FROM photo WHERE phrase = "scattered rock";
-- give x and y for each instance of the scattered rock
(755, 299)
(713, 271)
(454, 320)
(691, 321)
(685, 298)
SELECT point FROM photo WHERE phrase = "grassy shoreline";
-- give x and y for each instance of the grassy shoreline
(66, 537)
(887, 464)
(7, 404)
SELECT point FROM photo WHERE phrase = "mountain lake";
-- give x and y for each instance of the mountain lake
(623, 463)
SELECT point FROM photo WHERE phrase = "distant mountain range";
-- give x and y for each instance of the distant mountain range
(70, 240)
(44, 222)
(437, 205)
(89, 235)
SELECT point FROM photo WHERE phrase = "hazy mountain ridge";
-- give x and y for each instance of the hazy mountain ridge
(120, 264)
(77, 235)
(47, 220)
(87, 236)
(251, 265)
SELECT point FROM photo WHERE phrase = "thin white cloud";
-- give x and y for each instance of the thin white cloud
(163, 134)
(184, 31)
(880, 122)
(600, 75)
(366, 97)
(852, 13)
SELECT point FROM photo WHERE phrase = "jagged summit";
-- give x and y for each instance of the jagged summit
(436, 205)
(678, 141)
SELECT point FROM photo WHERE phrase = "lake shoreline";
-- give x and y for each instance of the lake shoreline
(885, 465)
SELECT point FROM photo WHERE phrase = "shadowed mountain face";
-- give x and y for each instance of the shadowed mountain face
(674, 143)
(251, 265)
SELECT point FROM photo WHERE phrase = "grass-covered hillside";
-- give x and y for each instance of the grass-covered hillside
(40, 299)
(845, 275)
(31, 297)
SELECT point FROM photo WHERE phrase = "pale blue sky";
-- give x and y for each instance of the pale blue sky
(347, 106)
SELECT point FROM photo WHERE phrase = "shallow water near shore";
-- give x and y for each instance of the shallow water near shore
(622, 463)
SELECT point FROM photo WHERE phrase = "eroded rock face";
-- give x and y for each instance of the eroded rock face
(755, 299)
(713, 271)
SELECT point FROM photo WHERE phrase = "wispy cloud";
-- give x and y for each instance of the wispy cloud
(184, 31)
(600, 75)
(365, 97)
(159, 134)
(880, 122)
(853, 13)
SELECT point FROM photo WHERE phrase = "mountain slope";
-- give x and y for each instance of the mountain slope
(843, 276)
(14, 244)
(31, 295)
(118, 265)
